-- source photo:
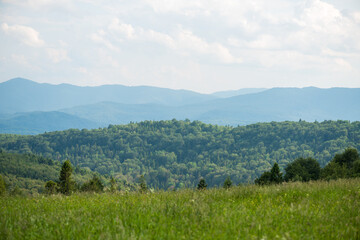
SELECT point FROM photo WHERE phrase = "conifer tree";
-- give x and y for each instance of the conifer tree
(275, 174)
(2, 186)
(202, 184)
(227, 183)
(143, 187)
(113, 184)
(66, 184)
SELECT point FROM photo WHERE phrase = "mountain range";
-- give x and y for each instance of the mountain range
(27, 107)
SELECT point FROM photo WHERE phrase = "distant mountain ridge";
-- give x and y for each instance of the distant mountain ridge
(233, 93)
(40, 122)
(22, 95)
(92, 107)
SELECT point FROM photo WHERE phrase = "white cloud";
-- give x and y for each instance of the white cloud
(343, 65)
(182, 41)
(265, 41)
(41, 4)
(100, 38)
(187, 41)
(356, 17)
(57, 55)
(26, 35)
(125, 29)
(142, 40)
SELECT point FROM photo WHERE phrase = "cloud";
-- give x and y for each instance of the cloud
(125, 29)
(133, 40)
(182, 41)
(100, 37)
(41, 4)
(57, 55)
(187, 41)
(26, 35)
(343, 64)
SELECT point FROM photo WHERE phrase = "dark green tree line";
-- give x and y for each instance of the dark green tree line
(177, 153)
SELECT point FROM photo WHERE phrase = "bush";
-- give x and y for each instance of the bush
(51, 187)
(93, 185)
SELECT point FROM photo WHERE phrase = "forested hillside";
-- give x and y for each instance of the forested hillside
(28, 173)
(177, 153)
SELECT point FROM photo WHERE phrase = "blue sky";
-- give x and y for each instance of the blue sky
(200, 45)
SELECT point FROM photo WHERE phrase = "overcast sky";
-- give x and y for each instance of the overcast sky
(200, 45)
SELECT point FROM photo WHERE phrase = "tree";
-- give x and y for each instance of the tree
(275, 174)
(142, 184)
(66, 183)
(113, 184)
(264, 179)
(302, 169)
(50, 187)
(333, 170)
(343, 165)
(2, 186)
(347, 158)
(227, 183)
(93, 185)
(202, 184)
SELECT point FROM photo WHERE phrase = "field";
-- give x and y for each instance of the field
(315, 210)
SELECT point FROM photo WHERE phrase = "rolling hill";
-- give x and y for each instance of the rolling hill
(278, 104)
(178, 153)
(22, 95)
(28, 107)
(39, 122)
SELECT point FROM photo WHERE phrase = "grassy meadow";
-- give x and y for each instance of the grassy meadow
(315, 210)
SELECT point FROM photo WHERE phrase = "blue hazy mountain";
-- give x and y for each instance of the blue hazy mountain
(40, 122)
(92, 107)
(22, 95)
(280, 104)
(232, 93)
(277, 104)
(106, 113)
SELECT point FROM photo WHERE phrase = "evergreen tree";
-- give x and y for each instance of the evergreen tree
(50, 187)
(275, 174)
(143, 187)
(272, 177)
(66, 183)
(202, 184)
(113, 184)
(227, 183)
(2, 186)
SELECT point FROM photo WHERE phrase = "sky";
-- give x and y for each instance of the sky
(200, 45)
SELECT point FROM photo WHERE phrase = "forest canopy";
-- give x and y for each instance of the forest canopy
(179, 153)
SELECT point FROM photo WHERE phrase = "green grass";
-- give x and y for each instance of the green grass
(316, 210)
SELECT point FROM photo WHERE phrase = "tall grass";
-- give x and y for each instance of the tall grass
(315, 210)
